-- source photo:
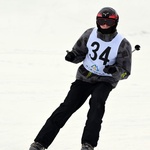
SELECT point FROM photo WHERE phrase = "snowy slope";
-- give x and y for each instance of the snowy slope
(34, 78)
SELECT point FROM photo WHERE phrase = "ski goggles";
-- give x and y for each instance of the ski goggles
(107, 21)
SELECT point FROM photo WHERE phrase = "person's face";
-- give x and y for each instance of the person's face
(105, 26)
(105, 23)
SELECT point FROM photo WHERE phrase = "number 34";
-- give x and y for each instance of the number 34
(103, 56)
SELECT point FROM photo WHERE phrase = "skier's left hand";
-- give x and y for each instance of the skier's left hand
(110, 69)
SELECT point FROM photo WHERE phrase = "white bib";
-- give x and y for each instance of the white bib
(101, 53)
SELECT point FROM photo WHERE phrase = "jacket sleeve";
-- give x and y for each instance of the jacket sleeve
(80, 49)
(123, 60)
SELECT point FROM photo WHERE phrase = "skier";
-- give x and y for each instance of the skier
(106, 57)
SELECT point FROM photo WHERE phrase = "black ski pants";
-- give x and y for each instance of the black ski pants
(77, 95)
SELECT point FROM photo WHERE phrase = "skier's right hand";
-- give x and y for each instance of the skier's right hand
(70, 56)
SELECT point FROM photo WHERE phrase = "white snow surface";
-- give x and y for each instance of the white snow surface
(35, 78)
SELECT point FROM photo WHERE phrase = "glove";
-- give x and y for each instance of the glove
(70, 56)
(110, 69)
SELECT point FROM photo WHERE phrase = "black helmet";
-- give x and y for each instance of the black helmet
(109, 16)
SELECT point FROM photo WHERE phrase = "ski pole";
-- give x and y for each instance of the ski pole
(136, 48)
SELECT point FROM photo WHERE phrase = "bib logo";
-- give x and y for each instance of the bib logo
(95, 68)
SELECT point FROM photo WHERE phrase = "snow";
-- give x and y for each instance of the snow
(35, 78)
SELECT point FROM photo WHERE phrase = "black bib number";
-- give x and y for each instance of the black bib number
(103, 56)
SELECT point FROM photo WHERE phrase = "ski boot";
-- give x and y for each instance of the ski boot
(36, 146)
(87, 146)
